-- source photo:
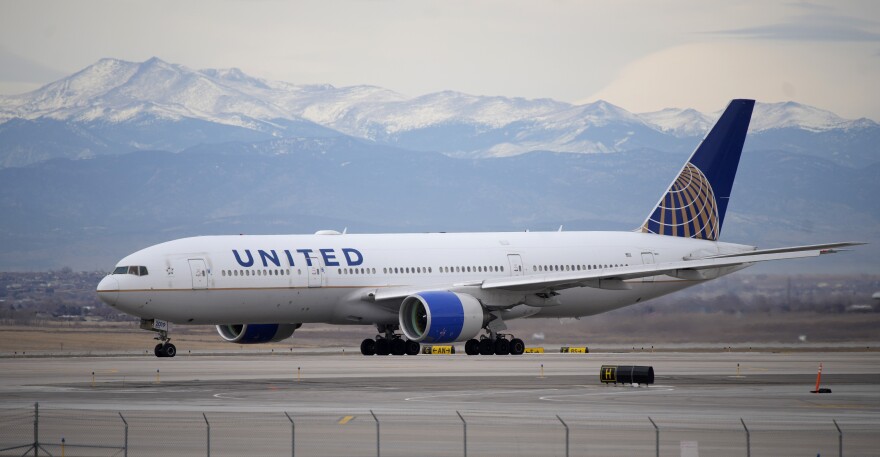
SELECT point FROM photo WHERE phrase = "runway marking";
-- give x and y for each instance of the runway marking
(470, 394)
(608, 392)
(345, 420)
(835, 406)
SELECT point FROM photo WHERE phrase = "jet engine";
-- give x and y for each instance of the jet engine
(256, 333)
(441, 317)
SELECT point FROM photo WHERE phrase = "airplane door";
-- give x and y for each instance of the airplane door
(648, 259)
(516, 266)
(199, 273)
(316, 273)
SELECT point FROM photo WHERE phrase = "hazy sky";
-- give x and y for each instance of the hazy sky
(641, 55)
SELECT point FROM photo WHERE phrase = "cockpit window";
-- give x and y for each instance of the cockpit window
(136, 270)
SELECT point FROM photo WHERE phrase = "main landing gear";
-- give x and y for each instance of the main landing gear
(164, 348)
(389, 343)
(499, 345)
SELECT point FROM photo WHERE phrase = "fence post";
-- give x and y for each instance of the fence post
(839, 439)
(36, 428)
(208, 424)
(464, 429)
(566, 434)
(292, 435)
(657, 434)
(378, 454)
(125, 443)
(748, 439)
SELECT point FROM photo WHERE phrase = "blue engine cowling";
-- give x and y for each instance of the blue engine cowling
(256, 333)
(441, 317)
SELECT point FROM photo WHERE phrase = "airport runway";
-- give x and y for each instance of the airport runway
(692, 391)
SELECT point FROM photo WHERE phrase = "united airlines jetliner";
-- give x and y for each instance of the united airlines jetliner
(445, 287)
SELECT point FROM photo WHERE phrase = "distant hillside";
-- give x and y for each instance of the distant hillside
(88, 213)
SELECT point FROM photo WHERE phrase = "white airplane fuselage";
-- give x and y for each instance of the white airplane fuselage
(328, 277)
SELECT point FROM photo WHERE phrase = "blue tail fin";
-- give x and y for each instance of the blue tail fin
(695, 203)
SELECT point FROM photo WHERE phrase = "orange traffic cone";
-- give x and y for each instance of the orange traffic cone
(818, 381)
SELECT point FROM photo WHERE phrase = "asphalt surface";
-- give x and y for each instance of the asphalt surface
(522, 395)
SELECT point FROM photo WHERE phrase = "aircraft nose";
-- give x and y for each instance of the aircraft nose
(108, 290)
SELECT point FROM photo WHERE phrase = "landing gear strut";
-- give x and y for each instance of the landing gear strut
(499, 345)
(164, 348)
(389, 343)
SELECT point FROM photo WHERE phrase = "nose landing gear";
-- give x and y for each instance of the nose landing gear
(164, 348)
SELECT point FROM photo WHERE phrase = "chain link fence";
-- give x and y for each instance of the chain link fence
(54, 432)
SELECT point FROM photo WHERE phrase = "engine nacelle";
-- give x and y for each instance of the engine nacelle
(441, 317)
(256, 333)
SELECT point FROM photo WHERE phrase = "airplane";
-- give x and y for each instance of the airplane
(440, 288)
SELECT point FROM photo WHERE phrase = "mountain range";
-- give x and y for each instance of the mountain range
(123, 154)
(114, 106)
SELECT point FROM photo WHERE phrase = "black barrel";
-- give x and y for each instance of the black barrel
(626, 374)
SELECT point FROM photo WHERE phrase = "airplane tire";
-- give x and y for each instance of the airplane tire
(487, 347)
(502, 346)
(168, 350)
(398, 346)
(517, 346)
(472, 347)
(158, 350)
(412, 347)
(383, 347)
(368, 347)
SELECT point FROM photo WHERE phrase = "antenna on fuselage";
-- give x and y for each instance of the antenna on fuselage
(560, 229)
(345, 230)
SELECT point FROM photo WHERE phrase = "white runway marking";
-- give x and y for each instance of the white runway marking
(609, 391)
(470, 394)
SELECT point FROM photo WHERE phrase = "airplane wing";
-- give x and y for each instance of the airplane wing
(614, 278)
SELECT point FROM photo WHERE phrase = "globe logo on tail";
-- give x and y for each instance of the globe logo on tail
(688, 209)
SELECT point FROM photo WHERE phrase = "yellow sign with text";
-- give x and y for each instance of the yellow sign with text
(574, 350)
(534, 350)
(438, 350)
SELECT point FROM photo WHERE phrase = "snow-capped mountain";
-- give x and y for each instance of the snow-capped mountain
(680, 122)
(114, 106)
